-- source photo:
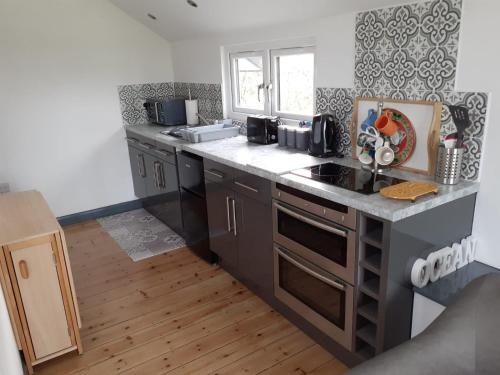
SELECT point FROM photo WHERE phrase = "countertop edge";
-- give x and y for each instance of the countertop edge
(421, 205)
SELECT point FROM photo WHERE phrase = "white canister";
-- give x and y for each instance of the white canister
(192, 112)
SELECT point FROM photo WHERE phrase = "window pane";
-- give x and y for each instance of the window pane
(249, 75)
(296, 80)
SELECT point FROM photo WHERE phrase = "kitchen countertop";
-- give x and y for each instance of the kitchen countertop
(273, 162)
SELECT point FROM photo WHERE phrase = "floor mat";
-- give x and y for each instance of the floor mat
(140, 234)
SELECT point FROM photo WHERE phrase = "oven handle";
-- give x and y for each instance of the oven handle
(312, 222)
(330, 282)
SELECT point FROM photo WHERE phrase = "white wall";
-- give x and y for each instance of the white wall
(60, 126)
(478, 69)
(200, 61)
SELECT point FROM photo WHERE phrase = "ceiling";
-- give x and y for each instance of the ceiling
(176, 20)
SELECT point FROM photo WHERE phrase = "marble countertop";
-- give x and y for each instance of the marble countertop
(274, 163)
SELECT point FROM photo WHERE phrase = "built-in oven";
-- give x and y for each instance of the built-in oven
(319, 297)
(323, 242)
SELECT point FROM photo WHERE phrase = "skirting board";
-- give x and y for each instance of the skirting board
(100, 212)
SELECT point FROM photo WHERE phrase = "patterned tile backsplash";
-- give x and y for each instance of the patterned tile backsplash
(410, 52)
(132, 98)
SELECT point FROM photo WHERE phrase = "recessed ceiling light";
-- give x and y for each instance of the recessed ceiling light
(152, 16)
(192, 3)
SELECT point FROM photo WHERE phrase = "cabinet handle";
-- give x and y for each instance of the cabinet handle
(246, 187)
(141, 165)
(161, 176)
(234, 217)
(23, 267)
(157, 179)
(165, 153)
(215, 173)
(228, 215)
(301, 266)
(148, 146)
(132, 140)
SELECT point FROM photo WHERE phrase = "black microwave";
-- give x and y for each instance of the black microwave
(167, 112)
(262, 129)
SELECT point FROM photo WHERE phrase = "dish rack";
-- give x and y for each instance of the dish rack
(209, 133)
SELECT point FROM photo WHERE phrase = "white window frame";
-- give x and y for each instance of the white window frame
(228, 52)
(235, 82)
(275, 54)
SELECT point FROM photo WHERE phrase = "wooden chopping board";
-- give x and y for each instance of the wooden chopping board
(410, 190)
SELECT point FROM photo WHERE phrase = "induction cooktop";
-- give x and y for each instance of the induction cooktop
(358, 180)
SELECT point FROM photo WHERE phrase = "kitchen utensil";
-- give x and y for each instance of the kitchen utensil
(449, 165)
(384, 155)
(450, 141)
(410, 190)
(386, 125)
(460, 117)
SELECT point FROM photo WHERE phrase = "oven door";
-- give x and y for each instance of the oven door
(323, 300)
(330, 246)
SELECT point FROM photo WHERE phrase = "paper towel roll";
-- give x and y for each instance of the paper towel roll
(420, 273)
(435, 263)
(192, 112)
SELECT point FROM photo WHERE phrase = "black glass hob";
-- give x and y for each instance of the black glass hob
(358, 180)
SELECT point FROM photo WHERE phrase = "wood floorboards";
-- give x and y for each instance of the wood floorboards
(174, 314)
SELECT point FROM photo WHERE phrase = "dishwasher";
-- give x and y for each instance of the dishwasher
(193, 203)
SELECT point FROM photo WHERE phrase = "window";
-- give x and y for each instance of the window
(247, 73)
(293, 72)
(274, 81)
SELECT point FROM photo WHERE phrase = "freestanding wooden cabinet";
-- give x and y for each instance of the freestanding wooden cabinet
(36, 279)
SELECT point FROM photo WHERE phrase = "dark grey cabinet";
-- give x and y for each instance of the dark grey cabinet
(240, 225)
(155, 178)
(255, 252)
(222, 239)
(161, 176)
(138, 168)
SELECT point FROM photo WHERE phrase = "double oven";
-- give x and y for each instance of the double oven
(314, 260)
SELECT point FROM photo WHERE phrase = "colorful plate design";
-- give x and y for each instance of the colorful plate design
(404, 150)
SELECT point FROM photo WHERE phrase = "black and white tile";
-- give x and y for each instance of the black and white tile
(411, 46)
(209, 97)
(410, 52)
(338, 102)
(132, 98)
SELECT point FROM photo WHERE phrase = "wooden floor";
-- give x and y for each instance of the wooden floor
(175, 314)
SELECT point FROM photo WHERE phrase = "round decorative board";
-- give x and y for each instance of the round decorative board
(404, 150)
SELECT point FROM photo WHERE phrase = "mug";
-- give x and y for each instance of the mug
(365, 156)
(384, 155)
(386, 125)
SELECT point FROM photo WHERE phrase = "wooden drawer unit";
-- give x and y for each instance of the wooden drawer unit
(36, 278)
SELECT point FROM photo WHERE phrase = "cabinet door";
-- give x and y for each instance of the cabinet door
(138, 168)
(255, 245)
(41, 298)
(161, 176)
(221, 224)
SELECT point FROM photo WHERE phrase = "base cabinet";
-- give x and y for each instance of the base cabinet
(255, 253)
(36, 279)
(240, 226)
